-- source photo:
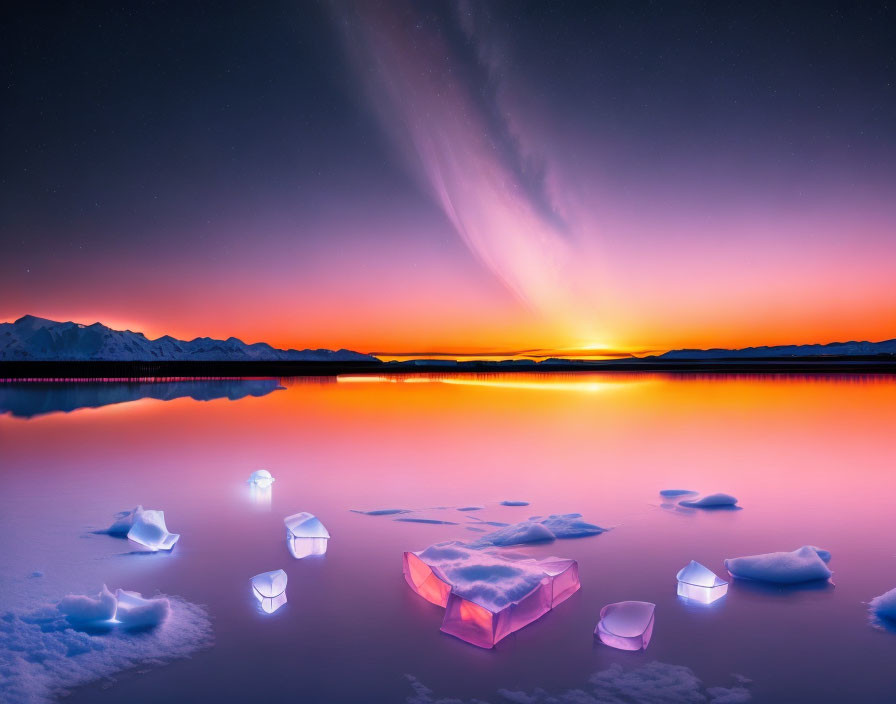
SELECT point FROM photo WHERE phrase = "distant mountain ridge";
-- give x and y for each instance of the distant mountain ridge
(832, 349)
(37, 339)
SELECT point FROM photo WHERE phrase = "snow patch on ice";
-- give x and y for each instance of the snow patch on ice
(42, 656)
(653, 683)
(562, 526)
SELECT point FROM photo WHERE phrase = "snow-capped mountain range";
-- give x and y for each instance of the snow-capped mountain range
(832, 349)
(32, 338)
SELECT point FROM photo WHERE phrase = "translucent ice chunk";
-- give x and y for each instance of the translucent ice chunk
(270, 589)
(305, 535)
(699, 583)
(626, 625)
(710, 501)
(261, 478)
(83, 610)
(149, 530)
(135, 612)
(803, 565)
(123, 522)
(487, 596)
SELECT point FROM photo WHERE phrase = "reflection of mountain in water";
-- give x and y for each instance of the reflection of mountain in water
(25, 400)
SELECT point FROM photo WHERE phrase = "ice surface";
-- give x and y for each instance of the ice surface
(537, 530)
(149, 530)
(305, 535)
(802, 565)
(261, 478)
(626, 625)
(136, 613)
(270, 589)
(699, 583)
(486, 595)
(82, 610)
(711, 501)
(514, 503)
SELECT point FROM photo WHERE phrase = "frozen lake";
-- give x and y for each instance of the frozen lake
(811, 460)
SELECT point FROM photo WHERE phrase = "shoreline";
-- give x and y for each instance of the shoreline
(19, 371)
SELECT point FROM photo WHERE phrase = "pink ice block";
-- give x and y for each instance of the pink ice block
(488, 596)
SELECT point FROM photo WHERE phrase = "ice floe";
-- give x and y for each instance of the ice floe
(699, 583)
(270, 589)
(382, 511)
(486, 595)
(711, 501)
(261, 478)
(671, 493)
(148, 529)
(431, 521)
(514, 503)
(626, 625)
(305, 535)
(806, 564)
(537, 530)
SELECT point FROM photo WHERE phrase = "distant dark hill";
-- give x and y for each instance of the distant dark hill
(832, 349)
(37, 339)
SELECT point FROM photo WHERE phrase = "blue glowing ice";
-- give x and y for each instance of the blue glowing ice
(148, 529)
(305, 535)
(699, 583)
(261, 478)
(270, 590)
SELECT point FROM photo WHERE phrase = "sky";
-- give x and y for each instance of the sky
(465, 178)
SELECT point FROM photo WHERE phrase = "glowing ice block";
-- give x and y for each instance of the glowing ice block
(261, 478)
(305, 535)
(700, 583)
(803, 565)
(488, 596)
(134, 612)
(149, 530)
(626, 625)
(270, 590)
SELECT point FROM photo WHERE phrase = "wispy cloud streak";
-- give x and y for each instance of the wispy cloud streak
(434, 78)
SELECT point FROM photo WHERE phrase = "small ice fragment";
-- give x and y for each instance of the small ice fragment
(699, 583)
(710, 501)
(676, 492)
(270, 590)
(626, 625)
(261, 478)
(149, 530)
(431, 521)
(570, 525)
(514, 503)
(470, 508)
(305, 535)
(486, 595)
(382, 511)
(883, 607)
(83, 610)
(36, 573)
(136, 613)
(803, 565)
(123, 522)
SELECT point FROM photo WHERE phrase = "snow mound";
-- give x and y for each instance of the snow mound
(83, 610)
(41, 656)
(711, 501)
(806, 564)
